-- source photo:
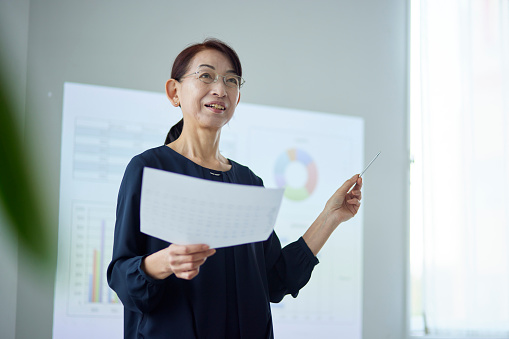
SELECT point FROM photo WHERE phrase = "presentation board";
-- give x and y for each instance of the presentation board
(310, 154)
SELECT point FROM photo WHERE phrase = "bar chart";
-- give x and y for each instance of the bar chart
(91, 245)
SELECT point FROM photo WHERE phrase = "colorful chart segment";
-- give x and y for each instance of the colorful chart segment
(91, 250)
(283, 161)
(96, 278)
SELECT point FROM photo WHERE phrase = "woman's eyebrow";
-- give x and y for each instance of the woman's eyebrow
(206, 65)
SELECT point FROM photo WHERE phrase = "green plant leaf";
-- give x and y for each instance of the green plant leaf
(18, 197)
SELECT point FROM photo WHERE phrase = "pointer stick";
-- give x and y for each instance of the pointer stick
(376, 156)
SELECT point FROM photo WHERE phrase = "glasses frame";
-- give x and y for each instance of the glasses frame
(241, 82)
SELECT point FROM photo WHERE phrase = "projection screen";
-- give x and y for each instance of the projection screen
(309, 153)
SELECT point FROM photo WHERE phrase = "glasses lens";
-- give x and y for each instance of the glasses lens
(207, 76)
(233, 81)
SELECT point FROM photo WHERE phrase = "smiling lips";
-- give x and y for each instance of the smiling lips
(216, 106)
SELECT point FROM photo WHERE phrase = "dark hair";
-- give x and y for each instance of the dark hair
(181, 65)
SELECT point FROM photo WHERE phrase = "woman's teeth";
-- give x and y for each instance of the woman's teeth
(216, 106)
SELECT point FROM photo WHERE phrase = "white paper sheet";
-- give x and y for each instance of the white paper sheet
(186, 210)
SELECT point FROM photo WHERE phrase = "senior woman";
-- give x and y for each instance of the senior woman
(193, 291)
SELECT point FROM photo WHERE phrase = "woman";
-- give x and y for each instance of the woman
(192, 291)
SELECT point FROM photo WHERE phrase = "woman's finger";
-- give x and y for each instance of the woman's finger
(359, 183)
(349, 183)
(185, 258)
(188, 249)
(353, 205)
(357, 194)
(192, 265)
(188, 275)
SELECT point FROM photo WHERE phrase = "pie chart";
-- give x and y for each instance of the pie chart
(295, 159)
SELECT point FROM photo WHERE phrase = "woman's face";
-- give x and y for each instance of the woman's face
(204, 105)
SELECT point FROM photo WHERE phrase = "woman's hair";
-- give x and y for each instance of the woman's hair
(181, 67)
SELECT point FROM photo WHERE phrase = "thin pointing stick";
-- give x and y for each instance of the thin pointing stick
(376, 156)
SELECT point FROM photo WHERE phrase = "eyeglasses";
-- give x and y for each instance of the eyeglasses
(209, 76)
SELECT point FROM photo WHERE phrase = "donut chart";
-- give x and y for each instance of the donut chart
(287, 158)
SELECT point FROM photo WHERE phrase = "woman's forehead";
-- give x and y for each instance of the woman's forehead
(211, 58)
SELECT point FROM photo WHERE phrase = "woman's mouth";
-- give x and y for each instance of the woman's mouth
(216, 106)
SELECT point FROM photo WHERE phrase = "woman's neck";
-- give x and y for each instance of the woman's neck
(201, 147)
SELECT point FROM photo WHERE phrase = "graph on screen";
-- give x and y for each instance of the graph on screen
(91, 250)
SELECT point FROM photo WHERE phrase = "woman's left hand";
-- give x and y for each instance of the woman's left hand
(343, 205)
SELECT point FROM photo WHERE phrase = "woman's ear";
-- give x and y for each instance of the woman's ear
(172, 92)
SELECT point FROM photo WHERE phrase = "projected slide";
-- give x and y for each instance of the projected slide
(310, 154)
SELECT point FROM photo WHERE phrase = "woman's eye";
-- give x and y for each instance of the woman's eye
(206, 75)
(233, 80)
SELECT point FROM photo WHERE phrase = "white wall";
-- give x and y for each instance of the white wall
(338, 56)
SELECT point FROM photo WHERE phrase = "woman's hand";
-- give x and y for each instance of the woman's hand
(185, 260)
(182, 260)
(343, 205)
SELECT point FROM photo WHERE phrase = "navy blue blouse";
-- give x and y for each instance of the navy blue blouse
(229, 298)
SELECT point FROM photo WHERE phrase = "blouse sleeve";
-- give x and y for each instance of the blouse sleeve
(136, 290)
(288, 269)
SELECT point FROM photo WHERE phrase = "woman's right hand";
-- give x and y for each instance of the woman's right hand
(182, 260)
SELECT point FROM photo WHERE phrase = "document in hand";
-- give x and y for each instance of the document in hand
(186, 210)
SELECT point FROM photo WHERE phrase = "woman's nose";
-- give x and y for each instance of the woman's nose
(219, 88)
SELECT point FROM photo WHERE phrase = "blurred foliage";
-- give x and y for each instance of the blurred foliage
(19, 198)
